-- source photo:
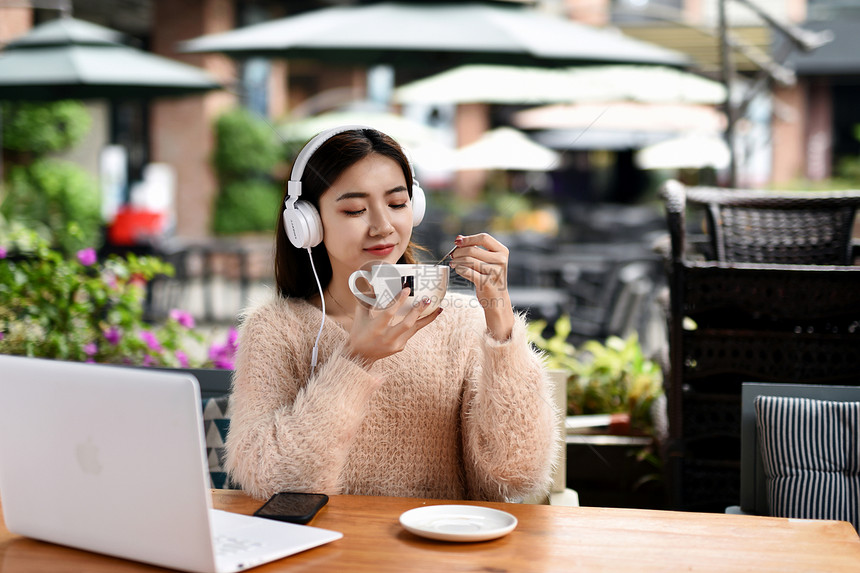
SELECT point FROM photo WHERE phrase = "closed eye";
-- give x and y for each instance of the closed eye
(355, 213)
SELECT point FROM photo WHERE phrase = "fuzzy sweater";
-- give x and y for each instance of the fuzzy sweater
(455, 415)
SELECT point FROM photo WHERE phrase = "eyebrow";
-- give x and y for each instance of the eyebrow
(360, 195)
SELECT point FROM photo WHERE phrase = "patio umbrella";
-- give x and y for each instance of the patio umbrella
(73, 59)
(435, 34)
(626, 116)
(506, 148)
(424, 144)
(525, 85)
(690, 151)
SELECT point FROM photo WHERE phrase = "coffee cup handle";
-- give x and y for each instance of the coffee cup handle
(360, 295)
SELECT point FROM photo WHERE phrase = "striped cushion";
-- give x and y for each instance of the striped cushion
(811, 455)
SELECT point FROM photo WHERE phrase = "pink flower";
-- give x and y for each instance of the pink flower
(151, 341)
(2, 336)
(3, 252)
(112, 335)
(182, 358)
(90, 349)
(87, 256)
(223, 355)
(182, 317)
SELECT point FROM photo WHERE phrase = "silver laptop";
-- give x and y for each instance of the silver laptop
(113, 460)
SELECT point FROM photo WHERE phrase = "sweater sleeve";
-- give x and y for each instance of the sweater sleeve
(290, 431)
(510, 441)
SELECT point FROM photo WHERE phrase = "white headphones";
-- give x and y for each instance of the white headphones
(302, 220)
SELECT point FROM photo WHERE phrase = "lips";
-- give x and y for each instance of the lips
(380, 250)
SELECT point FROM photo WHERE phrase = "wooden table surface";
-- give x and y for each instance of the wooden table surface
(546, 539)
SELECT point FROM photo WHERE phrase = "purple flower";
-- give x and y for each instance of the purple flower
(182, 317)
(223, 355)
(112, 335)
(151, 340)
(87, 256)
(2, 336)
(182, 358)
(90, 349)
(3, 252)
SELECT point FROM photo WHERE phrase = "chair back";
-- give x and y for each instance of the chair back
(790, 228)
(753, 490)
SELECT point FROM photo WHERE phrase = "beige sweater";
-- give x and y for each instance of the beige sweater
(458, 415)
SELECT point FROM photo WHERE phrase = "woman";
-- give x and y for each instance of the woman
(454, 405)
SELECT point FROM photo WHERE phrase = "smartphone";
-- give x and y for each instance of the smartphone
(292, 507)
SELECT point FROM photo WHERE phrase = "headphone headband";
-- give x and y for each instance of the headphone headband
(301, 219)
(294, 185)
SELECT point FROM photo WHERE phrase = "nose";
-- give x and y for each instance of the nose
(380, 223)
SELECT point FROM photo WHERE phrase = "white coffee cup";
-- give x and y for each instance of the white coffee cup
(386, 282)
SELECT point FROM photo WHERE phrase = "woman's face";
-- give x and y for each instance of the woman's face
(366, 215)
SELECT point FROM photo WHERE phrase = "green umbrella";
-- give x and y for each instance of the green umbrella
(438, 34)
(73, 59)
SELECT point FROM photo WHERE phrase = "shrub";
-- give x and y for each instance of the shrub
(245, 146)
(39, 128)
(605, 378)
(57, 198)
(81, 309)
(247, 206)
(247, 152)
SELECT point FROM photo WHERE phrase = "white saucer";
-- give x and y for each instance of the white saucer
(458, 522)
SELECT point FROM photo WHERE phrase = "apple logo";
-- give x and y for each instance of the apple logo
(87, 454)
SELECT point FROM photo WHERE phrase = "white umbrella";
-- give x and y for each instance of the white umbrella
(506, 148)
(525, 85)
(625, 116)
(422, 143)
(435, 34)
(690, 151)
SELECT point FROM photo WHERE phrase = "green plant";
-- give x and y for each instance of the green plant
(615, 377)
(38, 128)
(246, 206)
(559, 353)
(605, 378)
(245, 146)
(80, 309)
(58, 199)
(247, 152)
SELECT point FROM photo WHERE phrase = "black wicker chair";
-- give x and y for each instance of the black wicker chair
(792, 228)
(770, 295)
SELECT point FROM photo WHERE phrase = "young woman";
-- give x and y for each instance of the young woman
(455, 405)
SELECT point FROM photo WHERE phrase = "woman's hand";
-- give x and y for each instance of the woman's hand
(484, 261)
(373, 336)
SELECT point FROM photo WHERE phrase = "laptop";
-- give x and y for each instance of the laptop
(112, 460)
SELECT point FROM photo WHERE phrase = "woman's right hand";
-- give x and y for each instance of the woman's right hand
(373, 336)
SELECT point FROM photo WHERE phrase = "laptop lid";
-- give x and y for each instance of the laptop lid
(105, 459)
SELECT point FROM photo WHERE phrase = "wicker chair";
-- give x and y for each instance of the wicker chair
(792, 228)
(784, 306)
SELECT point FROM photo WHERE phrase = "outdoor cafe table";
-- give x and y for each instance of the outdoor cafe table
(547, 538)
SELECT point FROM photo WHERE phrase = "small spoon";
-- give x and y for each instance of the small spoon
(448, 254)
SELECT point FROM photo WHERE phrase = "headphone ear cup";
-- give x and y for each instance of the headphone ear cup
(303, 225)
(419, 203)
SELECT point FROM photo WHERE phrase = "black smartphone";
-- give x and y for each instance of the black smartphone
(292, 507)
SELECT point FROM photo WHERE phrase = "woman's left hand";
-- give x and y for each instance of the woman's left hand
(484, 261)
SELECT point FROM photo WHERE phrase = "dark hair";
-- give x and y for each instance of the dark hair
(293, 274)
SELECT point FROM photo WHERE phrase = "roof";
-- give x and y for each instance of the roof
(839, 57)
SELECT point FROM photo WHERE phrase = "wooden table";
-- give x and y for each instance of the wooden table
(546, 539)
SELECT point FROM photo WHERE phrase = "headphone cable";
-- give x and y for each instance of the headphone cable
(322, 301)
